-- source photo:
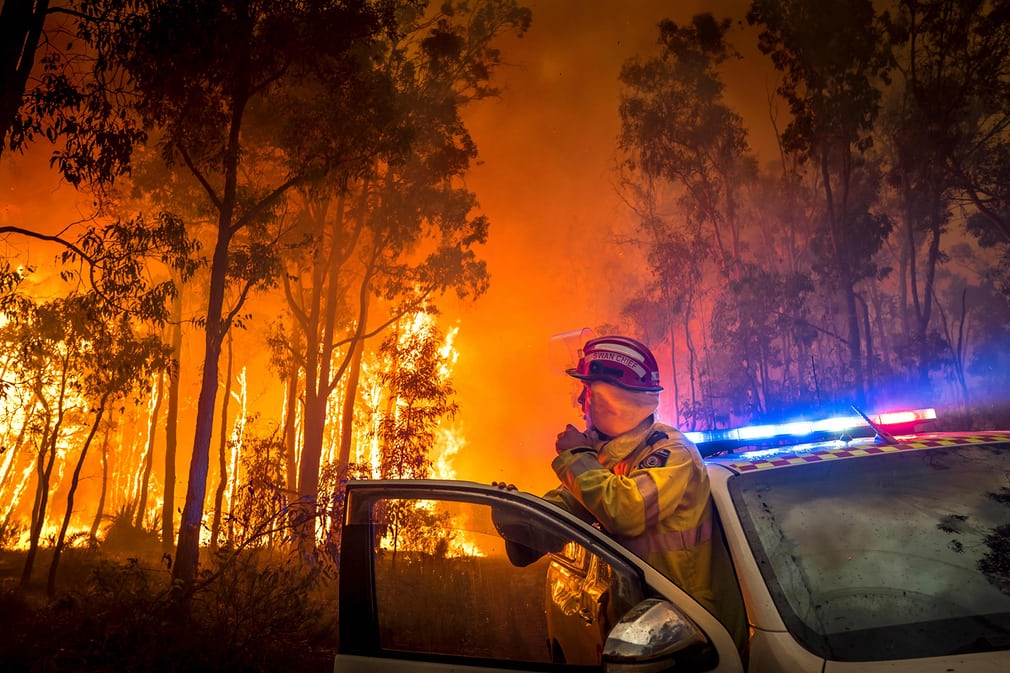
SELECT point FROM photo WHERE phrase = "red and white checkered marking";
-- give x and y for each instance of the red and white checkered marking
(819, 455)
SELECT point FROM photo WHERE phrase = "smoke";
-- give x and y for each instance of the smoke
(546, 181)
(548, 184)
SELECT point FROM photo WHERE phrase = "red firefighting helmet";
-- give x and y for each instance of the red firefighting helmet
(619, 360)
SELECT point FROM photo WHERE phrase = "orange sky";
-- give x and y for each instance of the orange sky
(547, 149)
(546, 182)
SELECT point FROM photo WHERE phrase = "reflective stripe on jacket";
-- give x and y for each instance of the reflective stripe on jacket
(649, 489)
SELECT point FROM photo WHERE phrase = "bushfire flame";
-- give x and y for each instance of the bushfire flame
(127, 439)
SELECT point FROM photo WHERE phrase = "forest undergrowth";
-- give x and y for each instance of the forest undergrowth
(252, 611)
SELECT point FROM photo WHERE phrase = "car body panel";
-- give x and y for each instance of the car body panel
(932, 570)
(778, 652)
(348, 663)
(761, 611)
(987, 662)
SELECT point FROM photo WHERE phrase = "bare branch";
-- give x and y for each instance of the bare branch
(45, 237)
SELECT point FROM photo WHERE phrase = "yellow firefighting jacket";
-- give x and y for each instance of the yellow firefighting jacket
(649, 489)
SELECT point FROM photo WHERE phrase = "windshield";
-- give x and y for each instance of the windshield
(899, 555)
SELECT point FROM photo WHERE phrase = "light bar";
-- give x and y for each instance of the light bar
(904, 417)
(801, 429)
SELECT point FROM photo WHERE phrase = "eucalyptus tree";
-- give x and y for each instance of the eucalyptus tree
(205, 78)
(982, 35)
(667, 307)
(80, 352)
(946, 123)
(418, 396)
(834, 60)
(677, 127)
(52, 88)
(122, 362)
(44, 340)
(678, 133)
(754, 326)
(392, 239)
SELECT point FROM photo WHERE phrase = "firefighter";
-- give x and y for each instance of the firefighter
(643, 481)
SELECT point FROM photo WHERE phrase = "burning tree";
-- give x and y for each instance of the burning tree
(415, 379)
(353, 104)
(259, 504)
(80, 353)
(252, 101)
(386, 241)
(677, 130)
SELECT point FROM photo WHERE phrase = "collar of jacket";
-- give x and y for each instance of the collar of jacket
(613, 451)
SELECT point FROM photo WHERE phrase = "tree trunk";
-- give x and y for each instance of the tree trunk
(152, 426)
(347, 411)
(237, 434)
(907, 278)
(836, 218)
(319, 385)
(692, 360)
(313, 415)
(74, 481)
(868, 339)
(677, 421)
(21, 23)
(222, 453)
(312, 443)
(313, 421)
(187, 556)
(172, 432)
(100, 510)
(922, 332)
(44, 469)
(958, 346)
(855, 347)
(290, 418)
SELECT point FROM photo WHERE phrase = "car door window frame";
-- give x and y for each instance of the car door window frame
(361, 635)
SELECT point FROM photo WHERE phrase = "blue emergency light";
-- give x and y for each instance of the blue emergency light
(795, 432)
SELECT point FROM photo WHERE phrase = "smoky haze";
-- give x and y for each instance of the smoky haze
(547, 181)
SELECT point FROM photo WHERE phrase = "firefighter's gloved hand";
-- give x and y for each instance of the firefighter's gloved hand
(503, 486)
(572, 438)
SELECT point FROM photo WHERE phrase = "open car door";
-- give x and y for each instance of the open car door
(450, 575)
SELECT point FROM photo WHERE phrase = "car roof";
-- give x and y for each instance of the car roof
(781, 457)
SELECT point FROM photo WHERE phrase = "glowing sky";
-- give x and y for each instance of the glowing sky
(547, 182)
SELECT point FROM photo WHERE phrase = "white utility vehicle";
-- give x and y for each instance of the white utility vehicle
(883, 552)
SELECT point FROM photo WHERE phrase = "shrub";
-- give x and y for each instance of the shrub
(253, 613)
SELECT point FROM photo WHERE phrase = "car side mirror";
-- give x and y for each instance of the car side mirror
(653, 636)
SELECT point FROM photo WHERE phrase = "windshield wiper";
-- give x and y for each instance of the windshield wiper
(882, 435)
